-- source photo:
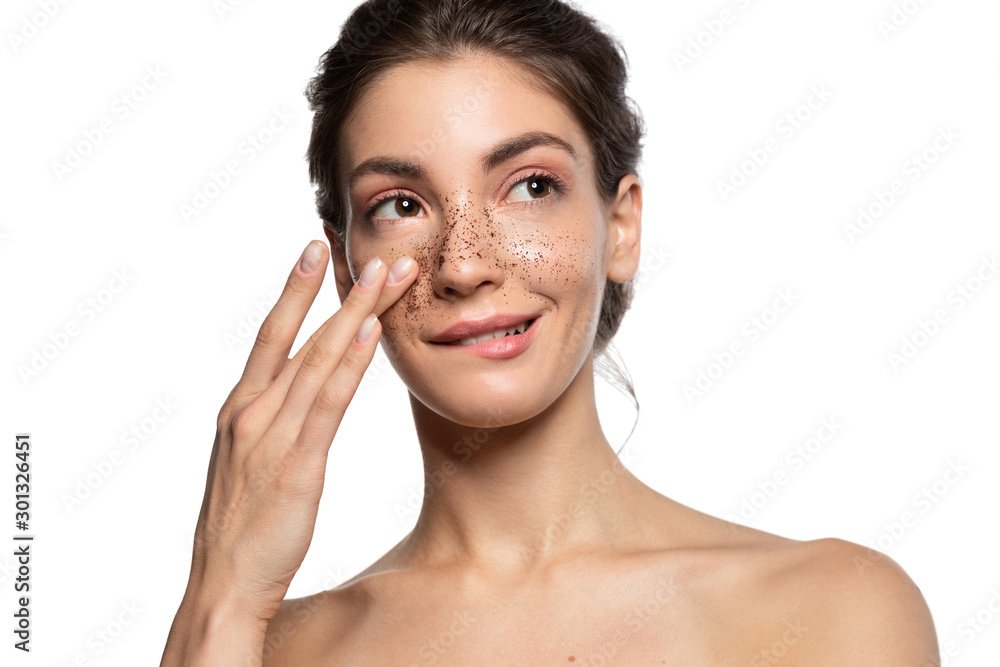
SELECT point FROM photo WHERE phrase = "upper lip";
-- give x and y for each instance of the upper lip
(468, 328)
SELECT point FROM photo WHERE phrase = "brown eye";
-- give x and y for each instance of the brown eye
(538, 187)
(396, 207)
(533, 187)
(406, 207)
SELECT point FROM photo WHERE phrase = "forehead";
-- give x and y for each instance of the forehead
(447, 114)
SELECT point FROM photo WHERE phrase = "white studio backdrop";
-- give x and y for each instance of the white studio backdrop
(813, 340)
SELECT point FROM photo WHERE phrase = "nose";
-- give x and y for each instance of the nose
(467, 260)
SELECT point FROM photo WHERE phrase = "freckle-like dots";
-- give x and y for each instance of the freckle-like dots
(525, 252)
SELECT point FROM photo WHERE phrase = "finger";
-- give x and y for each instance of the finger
(401, 275)
(327, 410)
(278, 330)
(326, 352)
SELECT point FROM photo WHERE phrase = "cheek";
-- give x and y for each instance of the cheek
(403, 314)
(562, 268)
(561, 264)
(552, 256)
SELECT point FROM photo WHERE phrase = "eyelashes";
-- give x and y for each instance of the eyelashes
(389, 196)
(557, 185)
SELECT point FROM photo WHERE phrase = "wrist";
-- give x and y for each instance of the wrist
(222, 607)
(215, 627)
(214, 589)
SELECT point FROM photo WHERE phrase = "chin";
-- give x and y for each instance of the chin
(476, 399)
(482, 408)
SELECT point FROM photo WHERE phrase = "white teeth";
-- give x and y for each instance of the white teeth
(499, 333)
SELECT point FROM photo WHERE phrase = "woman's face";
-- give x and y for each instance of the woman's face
(488, 184)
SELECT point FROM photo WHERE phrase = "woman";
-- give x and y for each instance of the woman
(476, 166)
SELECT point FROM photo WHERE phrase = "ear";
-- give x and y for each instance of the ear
(624, 228)
(341, 270)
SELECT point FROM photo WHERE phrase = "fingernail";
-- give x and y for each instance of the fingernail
(399, 269)
(371, 270)
(366, 329)
(310, 257)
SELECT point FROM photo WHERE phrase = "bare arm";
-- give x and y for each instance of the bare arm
(268, 464)
(213, 630)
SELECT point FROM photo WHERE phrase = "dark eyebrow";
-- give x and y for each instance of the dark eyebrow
(387, 166)
(511, 148)
(498, 154)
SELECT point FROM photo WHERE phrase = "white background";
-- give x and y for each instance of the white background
(709, 266)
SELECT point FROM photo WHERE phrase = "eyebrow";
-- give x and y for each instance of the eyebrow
(501, 152)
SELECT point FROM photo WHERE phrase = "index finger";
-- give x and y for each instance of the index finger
(278, 330)
(402, 279)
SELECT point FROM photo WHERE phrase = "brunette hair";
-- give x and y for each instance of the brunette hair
(573, 58)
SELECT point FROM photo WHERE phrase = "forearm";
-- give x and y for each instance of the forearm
(213, 630)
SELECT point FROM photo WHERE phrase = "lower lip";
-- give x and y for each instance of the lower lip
(499, 348)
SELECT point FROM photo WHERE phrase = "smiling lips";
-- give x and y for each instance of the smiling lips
(490, 335)
(499, 336)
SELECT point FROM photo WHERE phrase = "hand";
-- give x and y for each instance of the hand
(265, 477)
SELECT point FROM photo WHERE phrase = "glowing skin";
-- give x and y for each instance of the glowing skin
(484, 242)
(539, 547)
(488, 243)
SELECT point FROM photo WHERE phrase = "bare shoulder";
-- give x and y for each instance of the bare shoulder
(304, 629)
(817, 602)
(868, 608)
(317, 629)
(838, 603)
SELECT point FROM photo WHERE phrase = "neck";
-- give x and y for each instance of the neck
(519, 496)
